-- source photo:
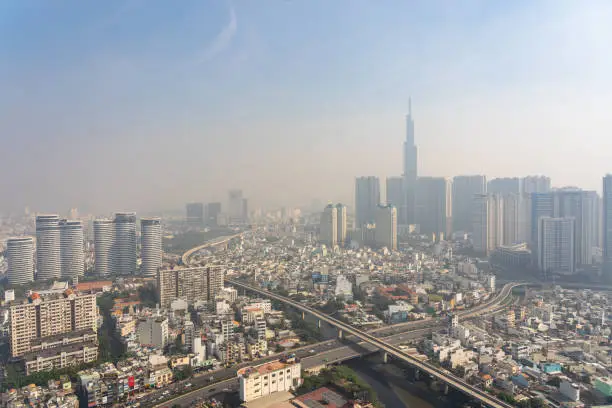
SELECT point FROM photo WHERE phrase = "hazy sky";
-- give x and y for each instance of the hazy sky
(149, 104)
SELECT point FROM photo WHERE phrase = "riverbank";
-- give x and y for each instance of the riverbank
(396, 390)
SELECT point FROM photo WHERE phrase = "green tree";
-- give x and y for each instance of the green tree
(506, 398)
(148, 296)
(460, 371)
(111, 346)
(178, 344)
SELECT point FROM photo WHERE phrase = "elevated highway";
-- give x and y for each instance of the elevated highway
(208, 244)
(324, 353)
(390, 349)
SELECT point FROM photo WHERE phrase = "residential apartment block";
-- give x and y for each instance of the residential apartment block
(53, 332)
(190, 284)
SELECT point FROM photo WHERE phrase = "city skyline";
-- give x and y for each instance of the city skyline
(233, 90)
(214, 201)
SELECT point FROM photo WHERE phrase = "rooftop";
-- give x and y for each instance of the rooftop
(266, 368)
(55, 351)
(322, 397)
(83, 286)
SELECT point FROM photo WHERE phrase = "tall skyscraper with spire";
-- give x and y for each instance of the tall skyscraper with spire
(410, 170)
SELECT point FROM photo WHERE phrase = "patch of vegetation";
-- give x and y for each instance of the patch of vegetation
(148, 296)
(532, 403)
(111, 348)
(183, 373)
(15, 377)
(332, 306)
(506, 398)
(343, 378)
(379, 305)
(308, 332)
(21, 290)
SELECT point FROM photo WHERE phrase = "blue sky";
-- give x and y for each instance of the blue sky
(146, 104)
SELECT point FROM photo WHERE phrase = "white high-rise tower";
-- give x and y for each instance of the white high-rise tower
(72, 255)
(48, 263)
(124, 255)
(341, 229)
(151, 246)
(104, 231)
(385, 234)
(20, 258)
(328, 227)
(556, 250)
(487, 222)
(367, 198)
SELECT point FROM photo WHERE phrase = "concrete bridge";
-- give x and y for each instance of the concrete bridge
(389, 349)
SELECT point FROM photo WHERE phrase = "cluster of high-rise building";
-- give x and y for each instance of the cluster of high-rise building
(115, 245)
(383, 226)
(200, 215)
(59, 252)
(562, 227)
(551, 221)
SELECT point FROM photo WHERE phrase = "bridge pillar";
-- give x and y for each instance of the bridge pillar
(340, 333)
(417, 374)
(319, 323)
(385, 357)
(303, 315)
(445, 389)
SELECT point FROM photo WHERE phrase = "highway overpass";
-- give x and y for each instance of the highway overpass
(208, 244)
(344, 328)
(327, 352)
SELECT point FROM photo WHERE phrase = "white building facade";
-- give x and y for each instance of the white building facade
(556, 251)
(150, 246)
(269, 378)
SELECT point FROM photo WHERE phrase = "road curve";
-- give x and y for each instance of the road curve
(208, 244)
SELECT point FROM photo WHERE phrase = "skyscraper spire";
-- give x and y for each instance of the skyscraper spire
(407, 215)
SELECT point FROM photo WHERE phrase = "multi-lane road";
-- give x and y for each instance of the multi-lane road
(212, 243)
(443, 375)
(328, 352)
(334, 350)
(331, 350)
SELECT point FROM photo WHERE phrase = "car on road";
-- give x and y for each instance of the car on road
(311, 351)
(211, 390)
(188, 385)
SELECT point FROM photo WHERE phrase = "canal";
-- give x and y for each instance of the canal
(396, 389)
